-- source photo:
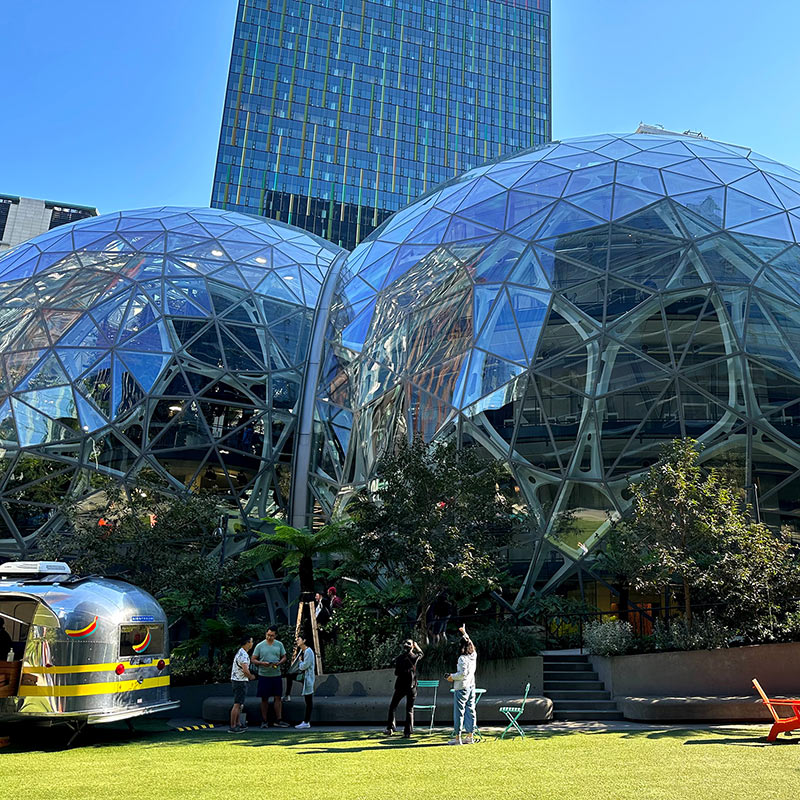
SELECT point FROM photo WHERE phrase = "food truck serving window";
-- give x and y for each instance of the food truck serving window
(141, 640)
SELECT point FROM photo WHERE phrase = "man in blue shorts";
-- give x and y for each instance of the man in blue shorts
(267, 658)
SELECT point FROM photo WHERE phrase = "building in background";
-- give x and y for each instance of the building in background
(340, 112)
(22, 218)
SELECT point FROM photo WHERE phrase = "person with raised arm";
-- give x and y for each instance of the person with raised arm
(463, 680)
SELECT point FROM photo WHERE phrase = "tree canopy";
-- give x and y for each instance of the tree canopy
(691, 528)
(434, 517)
(158, 541)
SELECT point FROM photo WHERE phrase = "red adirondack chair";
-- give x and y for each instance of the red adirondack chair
(781, 724)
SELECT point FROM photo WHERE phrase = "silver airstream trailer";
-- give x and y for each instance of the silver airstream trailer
(81, 650)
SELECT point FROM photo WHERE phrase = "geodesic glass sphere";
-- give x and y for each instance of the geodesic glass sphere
(572, 307)
(168, 339)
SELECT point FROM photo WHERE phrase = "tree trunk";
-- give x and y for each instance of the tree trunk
(623, 603)
(306, 575)
(422, 620)
(687, 603)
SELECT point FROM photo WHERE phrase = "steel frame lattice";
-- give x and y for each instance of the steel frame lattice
(170, 339)
(569, 309)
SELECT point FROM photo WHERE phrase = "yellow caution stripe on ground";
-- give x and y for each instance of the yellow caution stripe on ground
(86, 689)
(196, 728)
(76, 668)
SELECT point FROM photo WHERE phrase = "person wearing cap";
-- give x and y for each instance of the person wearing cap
(334, 600)
(405, 686)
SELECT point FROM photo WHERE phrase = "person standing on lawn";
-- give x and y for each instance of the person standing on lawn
(405, 686)
(240, 675)
(268, 657)
(307, 665)
(463, 681)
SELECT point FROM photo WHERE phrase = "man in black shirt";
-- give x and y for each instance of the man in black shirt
(405, 686)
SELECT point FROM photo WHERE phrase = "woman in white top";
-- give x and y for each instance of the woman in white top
(463, 681)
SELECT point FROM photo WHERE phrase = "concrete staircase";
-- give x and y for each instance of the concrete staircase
(575, 689)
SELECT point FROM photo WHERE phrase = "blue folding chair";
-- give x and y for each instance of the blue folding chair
(430, 706)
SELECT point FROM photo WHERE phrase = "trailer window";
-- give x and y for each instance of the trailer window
(141, 640)
(17, 614)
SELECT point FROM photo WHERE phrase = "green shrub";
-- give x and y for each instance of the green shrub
(612, 638)
(191, 669)
(362, 639)
(703, 634)
(497, 642)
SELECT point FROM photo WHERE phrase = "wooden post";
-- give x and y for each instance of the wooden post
(314, 632)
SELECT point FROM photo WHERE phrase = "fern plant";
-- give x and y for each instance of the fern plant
(297, 548)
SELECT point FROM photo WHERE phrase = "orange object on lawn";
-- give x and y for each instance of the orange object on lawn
(781, 724)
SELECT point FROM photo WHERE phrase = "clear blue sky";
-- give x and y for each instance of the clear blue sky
(117, 103)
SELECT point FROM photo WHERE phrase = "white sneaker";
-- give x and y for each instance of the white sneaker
(286, 698)
(303, 725)
(456, 740)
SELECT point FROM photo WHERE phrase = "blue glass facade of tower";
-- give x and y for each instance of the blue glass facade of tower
(339, 112)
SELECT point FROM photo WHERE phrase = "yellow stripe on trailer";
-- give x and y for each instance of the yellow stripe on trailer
(87, 689)
(76, 668)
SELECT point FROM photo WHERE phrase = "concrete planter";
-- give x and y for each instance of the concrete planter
(363, 697)
(497, 677)
(701, 685)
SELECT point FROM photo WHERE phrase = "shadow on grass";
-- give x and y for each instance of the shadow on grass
(339, 742)
(27, 738)
(761, 741)
(156, 733)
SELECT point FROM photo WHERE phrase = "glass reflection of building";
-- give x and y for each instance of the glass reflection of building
(339, 113)
(166, 343)
(568, 310)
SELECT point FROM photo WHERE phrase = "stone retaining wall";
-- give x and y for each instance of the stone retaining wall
(701, 685)
(726, 672)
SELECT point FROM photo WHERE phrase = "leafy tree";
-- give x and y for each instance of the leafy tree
(627, 562)
(161, 542)
(297, 548)
(435, 517)
(692, 528)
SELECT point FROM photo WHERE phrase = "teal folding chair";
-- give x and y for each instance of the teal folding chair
(513, 713)
(430, 706)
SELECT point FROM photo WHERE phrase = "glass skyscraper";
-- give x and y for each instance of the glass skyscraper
(339, 112)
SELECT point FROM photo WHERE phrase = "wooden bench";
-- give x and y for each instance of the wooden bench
(781, 724)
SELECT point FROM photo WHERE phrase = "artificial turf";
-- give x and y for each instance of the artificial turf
(158, 764)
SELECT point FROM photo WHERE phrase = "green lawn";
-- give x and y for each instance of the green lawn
(157, 764)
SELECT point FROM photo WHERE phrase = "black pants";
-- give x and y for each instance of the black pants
(309, 698)
(410, 695)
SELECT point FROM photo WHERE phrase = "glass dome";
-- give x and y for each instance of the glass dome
(168, 339)
(570, 308)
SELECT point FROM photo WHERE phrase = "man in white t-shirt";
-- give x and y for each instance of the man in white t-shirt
(240, 675)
